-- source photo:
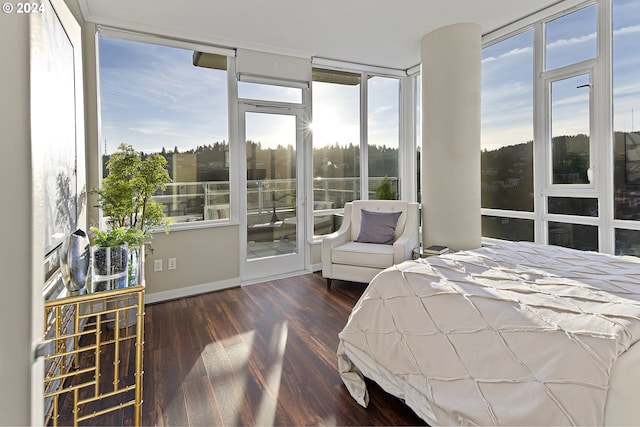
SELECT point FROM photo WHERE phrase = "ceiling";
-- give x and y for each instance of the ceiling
(373, 32)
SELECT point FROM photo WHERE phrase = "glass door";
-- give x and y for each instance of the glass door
(272, 207)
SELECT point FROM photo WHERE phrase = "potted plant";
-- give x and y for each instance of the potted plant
(110, 258)
(125, 197)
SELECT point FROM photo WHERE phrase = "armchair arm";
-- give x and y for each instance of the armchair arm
(403, 246)
(335, 239)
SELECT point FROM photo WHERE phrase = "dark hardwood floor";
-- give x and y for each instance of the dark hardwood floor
(258, 355)
(263, 354)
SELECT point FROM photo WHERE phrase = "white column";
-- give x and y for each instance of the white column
(451, 137)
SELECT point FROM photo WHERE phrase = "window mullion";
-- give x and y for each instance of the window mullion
(364, 138)
(235, 159)
(604, 120)
(408, 143)
(540, 132)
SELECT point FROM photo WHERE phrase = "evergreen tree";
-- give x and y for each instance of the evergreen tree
(384, 190)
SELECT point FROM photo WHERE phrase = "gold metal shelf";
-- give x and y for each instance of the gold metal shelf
(89, 375)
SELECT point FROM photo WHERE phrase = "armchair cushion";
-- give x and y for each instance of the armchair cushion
(378, 227)
(363, 255)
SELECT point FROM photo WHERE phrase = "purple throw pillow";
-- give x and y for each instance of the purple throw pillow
(378, 227)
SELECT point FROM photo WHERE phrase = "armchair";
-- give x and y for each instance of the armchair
(346, 259)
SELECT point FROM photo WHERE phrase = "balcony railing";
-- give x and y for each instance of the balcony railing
(267, 200)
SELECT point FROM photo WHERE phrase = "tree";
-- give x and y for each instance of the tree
(384, 190)
(126, 193)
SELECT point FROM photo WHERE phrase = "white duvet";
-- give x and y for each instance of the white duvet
(517, 333)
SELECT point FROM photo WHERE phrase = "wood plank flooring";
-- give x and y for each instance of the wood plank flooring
(263, 354)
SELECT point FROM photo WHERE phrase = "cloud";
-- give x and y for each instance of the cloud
(630, 88)
(383, 111)
(627, 30)
(562, 43)
(511, 53)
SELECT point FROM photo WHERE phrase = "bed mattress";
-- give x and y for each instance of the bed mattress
(512, 334)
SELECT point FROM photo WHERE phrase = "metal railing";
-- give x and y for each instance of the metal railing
(266, 198)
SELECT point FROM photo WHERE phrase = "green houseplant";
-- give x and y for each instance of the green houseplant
(117, 236)
(125, 197)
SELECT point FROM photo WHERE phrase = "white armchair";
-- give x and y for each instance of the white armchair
(345, 259)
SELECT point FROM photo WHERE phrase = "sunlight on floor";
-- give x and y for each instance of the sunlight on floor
(330, 421)
(225, 363)
(267, 409)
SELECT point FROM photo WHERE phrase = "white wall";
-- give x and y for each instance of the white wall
(15, 216)
(206, 259)
(315, 254)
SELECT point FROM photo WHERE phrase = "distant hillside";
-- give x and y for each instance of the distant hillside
(507, 177)
(507, 172)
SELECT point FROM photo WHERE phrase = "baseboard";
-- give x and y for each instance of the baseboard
(155, 297)
(151, 298)
(256, 280)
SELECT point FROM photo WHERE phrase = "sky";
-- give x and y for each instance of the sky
(626, 76)
(507, 77)
(153, 97)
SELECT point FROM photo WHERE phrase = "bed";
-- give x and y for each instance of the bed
(510, 334)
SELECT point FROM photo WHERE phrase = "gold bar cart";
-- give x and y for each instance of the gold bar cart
(90, 374)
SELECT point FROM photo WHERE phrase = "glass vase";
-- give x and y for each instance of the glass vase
(109, 267)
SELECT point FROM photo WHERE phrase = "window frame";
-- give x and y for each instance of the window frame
(548, 78)
(490, 40)
(615, 223)
(231, 87)
(406, 132)
(407, 164)
(601, 127)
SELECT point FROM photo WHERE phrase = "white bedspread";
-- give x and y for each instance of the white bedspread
(512, 334)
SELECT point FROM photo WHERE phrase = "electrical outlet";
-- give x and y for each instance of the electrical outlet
(157, 265)
(171, 264)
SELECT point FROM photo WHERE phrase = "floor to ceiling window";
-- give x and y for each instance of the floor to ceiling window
(342, 152)
(578, 185)
(174, 102)
(383, 136)
(626, 125)
(336, 144)
(573, 135)
(507, 139)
